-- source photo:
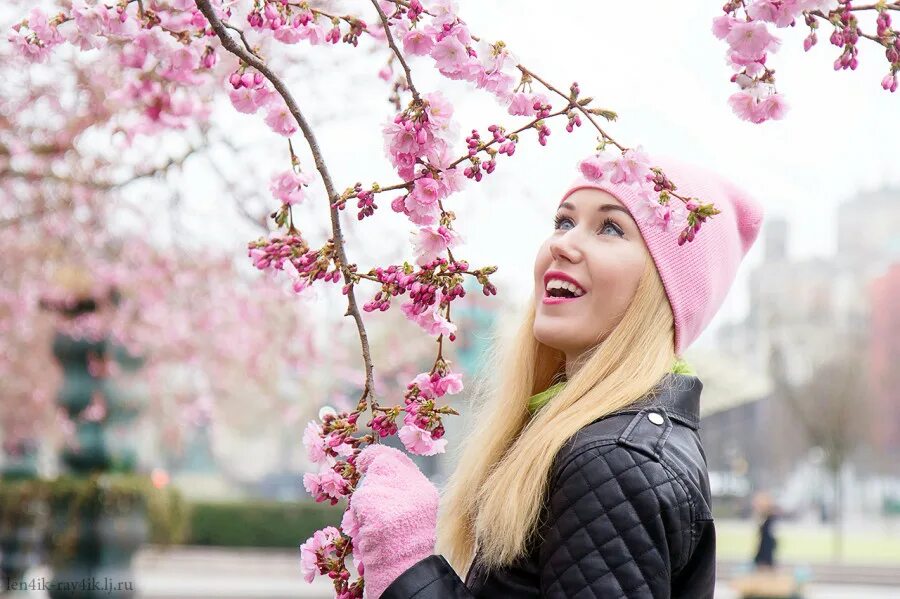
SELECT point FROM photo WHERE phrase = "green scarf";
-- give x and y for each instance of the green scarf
(537, 401)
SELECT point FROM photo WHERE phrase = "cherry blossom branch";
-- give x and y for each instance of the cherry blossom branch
(229, 44)
(608, 115)
(240, 32)
(745, 27)
(819, 14)
(396, 51)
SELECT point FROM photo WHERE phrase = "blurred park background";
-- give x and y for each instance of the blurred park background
(137, 340)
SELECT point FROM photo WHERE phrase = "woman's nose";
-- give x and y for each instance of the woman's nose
(565, 247)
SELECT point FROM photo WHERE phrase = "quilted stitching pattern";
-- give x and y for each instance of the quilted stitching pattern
(614, 525)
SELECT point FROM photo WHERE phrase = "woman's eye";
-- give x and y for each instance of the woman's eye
(611, 225)
(607, 225)
(559, 220)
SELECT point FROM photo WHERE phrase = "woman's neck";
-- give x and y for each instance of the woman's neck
(574, 361)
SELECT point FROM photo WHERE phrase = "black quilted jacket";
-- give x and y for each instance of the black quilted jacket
(628, 515)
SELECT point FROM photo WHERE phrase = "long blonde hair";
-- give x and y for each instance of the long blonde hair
(493, 499)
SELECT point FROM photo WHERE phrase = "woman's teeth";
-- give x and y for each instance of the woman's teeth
(557, 284)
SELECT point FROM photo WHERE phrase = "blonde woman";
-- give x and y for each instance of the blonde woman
(585, 475)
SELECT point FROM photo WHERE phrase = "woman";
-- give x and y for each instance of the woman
(585, 475)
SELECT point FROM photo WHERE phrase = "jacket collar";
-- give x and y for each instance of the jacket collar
(678, 394)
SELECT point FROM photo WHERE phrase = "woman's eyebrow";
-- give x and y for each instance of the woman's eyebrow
(602, 208)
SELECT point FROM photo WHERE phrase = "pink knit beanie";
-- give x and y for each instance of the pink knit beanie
(697, 274)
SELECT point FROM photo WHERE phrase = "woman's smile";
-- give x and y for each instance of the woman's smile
(549, 300)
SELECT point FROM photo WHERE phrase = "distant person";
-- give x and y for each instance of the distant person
(765, 553)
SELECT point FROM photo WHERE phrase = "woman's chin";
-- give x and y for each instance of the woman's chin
(552, 337)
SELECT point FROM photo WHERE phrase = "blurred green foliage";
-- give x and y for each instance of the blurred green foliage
(259, 523)
(33, 502)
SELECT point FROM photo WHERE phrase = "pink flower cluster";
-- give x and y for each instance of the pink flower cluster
(250, 92)
(321, 448)
(321, 551)
(750, 41)
(292, 255)
(325, 444)
(35, 36)
(632, 167)
(422, 429)
(439, 33)
(288, 186)
(430, 319)
(290, 23)
(174, 34)
(431, 241)
(422, 287)
(424, 134)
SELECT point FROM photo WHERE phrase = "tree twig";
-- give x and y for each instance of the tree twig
(232, 46)
(396, 50)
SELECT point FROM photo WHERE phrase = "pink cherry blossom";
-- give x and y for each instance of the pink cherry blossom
(649, 212)
(434, 323)
(419, 41)
(522, 104)
(430, 319)
(429, 242)
(452, 180)
(630, 167)
(751, 105)
(752, 40)
(314, 444)
(593, 168)
(722, 25)
(444, 11)
(495, 57)
(422, 203)
(40, 24)
(779, 12)
(451, 384)
(308, 562)
(288, 34)
(426, 191)
(423, 381)
(280, 120)
(349, 522)
(34, 52)
(243, 99)
(299, 283)
(743, 103)
(288, 186)
(773, 107)
(90, 23)
(439, 111)
(313, 33)
(450, 55)
(325, 485)
(401, 138)
(420, 441)
(498, 83)
(322, 541)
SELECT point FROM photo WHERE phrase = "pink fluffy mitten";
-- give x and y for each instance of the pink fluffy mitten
(392, 516)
